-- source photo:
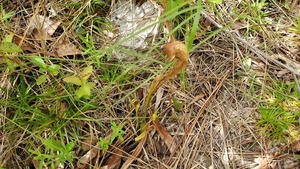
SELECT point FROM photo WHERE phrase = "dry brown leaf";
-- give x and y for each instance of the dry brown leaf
(85, 160)
(64, 48)
(42, 27)
(296, 146)
(114, 161)
(165, 136)
(238, 25)
(159, 95)
(25, 46)
(262, 163)
(88, 142)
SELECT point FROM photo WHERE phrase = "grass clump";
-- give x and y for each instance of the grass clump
(280, 115)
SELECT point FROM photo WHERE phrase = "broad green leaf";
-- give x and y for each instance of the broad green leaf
(9, 47)
(53, 69)
(10, 64)
(42, 70)
(215, 1)
(79, 94)
(86, 73)
(83, 91)
(86, 90)
(7, 15)
(8, 38)
(38, 61)
(90, 85)
(87, 70)
(41, 79)
(73, 79)
(173, 4)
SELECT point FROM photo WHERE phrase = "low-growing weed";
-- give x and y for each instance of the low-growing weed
(52, 69)
(281, 112)
(4, 16)
(81, 80)
(10, 51)
(54, 153)
(117, 132)
(296, 27)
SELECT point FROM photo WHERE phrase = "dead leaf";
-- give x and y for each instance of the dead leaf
(42, 27)
(64, 48)
(88, 142)
(85, 160)
(295, 146)
(238, 25)
(264, 163)
(114, 161)
(165, 136)
(159, 95)
(25, 46)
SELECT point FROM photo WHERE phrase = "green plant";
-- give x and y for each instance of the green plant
(281, 112)
(296, 27)
(258, 5)
(52, 69)
(9, 51)
(275, 122)
(257, 17)
(55, 153)
(81, 80)
(117, 132)
(89, 44)
(216, 1)
(4, 16)
(177, 104)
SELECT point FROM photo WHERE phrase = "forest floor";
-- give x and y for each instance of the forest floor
(75, 76)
